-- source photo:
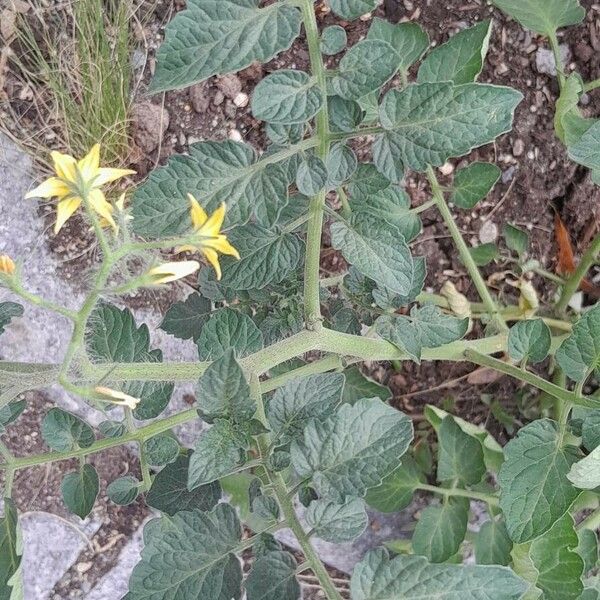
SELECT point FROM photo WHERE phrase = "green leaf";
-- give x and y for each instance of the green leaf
(493, 544)
(282, 322)
(10, 554)
(63, 431)
(441, 530)
(214, 172)
(430, 122)
(169, 492)
(569, 123)
(112, 336)
(460, 59)
(396, 491)
(484, 254)
(377, 250)
(460, 456)
(312, 175)
(367, 180)
(312, 397)
(286, 97)
(337, 523)
(408, 40)
(391, 205)
(267, 257)
(112, 429)
(333, 40)
(186, 319)
(359, 386)
(192, 557)
(365, 68)
(473, 183)
(579, 355)
(516, 239)
(377, 577)
(341, 162)
(79, 490)
(529, 340)
(199, 40)
(523, 566)
(223, 392)
(266, 507)
(590, 430)
(585, 473)
(218, 452)
(8, 312)
(559, 566)
(229, 328)
(426, 327)
(535, 491)
(587, 548)
(273, 577)
(386, 299)
(123, 491)
(161, 450)
(586, 151)
(344, 115)
(352, 9)
(10, 412)
(543, 16)
(353, 449)
(284, 135)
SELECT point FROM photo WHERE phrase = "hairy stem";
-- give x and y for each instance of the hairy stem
(463, 251)
(312, 308)
(574, 281)
(454, 491)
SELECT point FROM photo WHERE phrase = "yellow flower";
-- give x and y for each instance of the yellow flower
(120, 205)
(7, 265)
(172, 271)
(75, 179)
(116, 397)
(210, 241)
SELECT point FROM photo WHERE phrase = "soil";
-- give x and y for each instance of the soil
(538, 180)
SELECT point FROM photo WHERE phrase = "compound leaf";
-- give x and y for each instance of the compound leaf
(377, 577)
(190, 555)
(529, 340)
(428, 123)
(543, 16)
(229, 328)
(535, 491)
(353, 449)
(213, 37)
(286, 97)
(460, 59)
(337, 522)
(579, 354)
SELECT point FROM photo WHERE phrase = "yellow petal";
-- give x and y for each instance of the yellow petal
(172, 271)
(49, 189)
(65, 166)
(105, 175)
(199, 216)
(7, 265)
(213, 226)
(221, 244)
(120, 203)
(186, 248)
(100, 205)
(64, 211)
(116, 397)
(88, 165)
(213, 259)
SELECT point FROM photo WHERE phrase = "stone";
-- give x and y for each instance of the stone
(199, 97)
(488, 232)
(544, 59)
(150, 122)
(230, 85)
(518, 147)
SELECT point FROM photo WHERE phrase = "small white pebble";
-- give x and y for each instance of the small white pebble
(235, 135)
(488, 232)
(447, 168)
(241, 100)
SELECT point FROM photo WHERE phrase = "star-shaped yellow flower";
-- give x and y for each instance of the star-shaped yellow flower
(75, 179)
(209, 239)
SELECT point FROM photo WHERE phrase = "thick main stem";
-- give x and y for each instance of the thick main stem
(312, 307)
(463, 251)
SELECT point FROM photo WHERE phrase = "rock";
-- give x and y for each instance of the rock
(150, 122)
(544, 59)
(230, 85)
(219, 98)
(241, 100)
(235, 135)
(199, 97)
(488, 232)
(518, 147)
(447, 169)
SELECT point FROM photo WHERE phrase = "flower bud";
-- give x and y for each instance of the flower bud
(7, 265)
(116, 397)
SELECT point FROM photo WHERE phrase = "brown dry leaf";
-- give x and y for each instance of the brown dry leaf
(483, 376)
(566, 257)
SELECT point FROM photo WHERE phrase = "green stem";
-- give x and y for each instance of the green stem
(360, 132)
(6, 453)
(592, 521)
(454, 491)
(312, 308)
(565, 396)
(574, 281)
(560, 69)
(16, 287)
(591, 85)
(463, 251)
(346, 209)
